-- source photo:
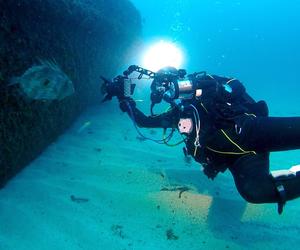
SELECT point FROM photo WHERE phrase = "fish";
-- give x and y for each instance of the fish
(44, 82)
(84, 126)
(78, 199)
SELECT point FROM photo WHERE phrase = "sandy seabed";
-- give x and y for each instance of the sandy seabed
(100, 186)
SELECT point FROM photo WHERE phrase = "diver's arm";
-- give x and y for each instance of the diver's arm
(165, 120)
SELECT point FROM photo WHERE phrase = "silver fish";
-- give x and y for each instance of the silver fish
(45, 82)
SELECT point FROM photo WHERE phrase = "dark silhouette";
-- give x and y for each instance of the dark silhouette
(223, 128)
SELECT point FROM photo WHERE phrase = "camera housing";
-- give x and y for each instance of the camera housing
(168, 84)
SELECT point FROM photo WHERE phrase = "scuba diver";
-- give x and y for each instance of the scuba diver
(222, 126)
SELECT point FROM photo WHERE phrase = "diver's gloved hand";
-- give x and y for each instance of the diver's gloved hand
(126, 103)
(210, 171)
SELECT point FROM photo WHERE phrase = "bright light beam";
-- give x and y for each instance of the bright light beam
(162, 54)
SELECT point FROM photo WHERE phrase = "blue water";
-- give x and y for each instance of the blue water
(118, 178)
(255, 41)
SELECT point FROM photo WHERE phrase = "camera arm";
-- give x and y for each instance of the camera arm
(142, 71)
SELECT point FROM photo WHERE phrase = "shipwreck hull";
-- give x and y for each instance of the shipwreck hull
(85, 40)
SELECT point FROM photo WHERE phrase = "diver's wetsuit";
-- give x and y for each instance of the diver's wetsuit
(236, 133)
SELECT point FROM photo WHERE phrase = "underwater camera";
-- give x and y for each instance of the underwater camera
(168, 84)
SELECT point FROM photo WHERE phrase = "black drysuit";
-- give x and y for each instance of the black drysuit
(236, 134)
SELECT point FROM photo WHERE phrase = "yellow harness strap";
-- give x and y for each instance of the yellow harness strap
(235, 144)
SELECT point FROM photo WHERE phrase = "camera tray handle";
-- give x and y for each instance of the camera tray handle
(142, 71)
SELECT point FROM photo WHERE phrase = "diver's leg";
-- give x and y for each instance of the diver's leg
(263, 134)
(256, 185)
